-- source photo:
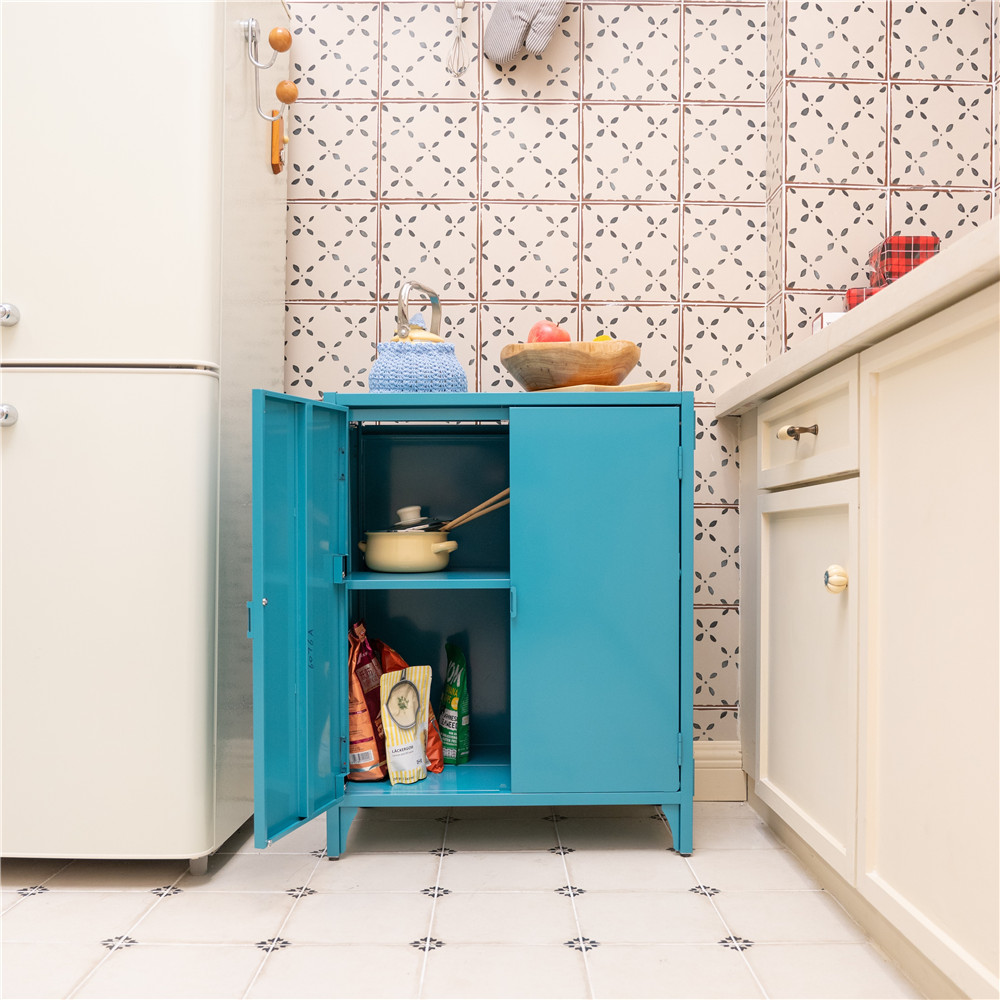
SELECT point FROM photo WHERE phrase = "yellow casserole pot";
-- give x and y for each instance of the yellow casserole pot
(407, 551)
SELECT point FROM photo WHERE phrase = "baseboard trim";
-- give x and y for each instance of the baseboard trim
(718, 771)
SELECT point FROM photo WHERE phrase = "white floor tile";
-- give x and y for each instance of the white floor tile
(777, 917)
(689, 971)
(83, 917)
(472, 971)
(592, 834)
(528, 871)
(252, 873)
(372, 917)
(501, 835)
(9, 898)
(124, 875)
(503, 918)
(19, 873)
(368, 834)
(827, 972)
(731, 825)
(306, 839)
(32, 970)
(334, 971)
(376, 873)
(754, 869)
(612, 870)
(214, 918)
(174, 972)
(648, 918)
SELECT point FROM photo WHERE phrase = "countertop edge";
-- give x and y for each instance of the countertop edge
(964, 268)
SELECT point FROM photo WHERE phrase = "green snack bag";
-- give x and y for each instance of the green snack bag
(453, 719)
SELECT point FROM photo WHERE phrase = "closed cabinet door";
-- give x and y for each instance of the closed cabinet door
(111, 235)
(808, 665)
(107, 624)
(930, 817)
(594, 572)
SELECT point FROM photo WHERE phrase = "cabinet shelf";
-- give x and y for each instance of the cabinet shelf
(486, 773)
(449, 579)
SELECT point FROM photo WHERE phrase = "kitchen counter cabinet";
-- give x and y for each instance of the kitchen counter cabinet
(573, 605)
(870, 716)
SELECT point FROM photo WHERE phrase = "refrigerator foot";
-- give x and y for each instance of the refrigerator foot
(199, 866)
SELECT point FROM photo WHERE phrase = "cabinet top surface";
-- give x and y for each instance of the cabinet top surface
(500, 400)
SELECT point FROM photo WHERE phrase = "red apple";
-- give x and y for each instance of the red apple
(545, 332)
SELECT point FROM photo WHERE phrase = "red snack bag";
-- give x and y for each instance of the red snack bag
(366, 750)
(391, 660)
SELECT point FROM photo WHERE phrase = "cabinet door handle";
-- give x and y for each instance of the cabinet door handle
(793, 433)
(835, 579)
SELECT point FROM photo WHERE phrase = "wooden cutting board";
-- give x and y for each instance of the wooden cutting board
(635, 387)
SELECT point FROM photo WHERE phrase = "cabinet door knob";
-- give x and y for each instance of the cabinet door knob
(8, 414)
(9, 314)
(793, 433)
(835, 579)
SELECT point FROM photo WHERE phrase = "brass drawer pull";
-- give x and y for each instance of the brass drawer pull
(792, 433)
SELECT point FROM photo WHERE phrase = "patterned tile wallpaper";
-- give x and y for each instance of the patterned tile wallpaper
(882, 119)
(680, 175)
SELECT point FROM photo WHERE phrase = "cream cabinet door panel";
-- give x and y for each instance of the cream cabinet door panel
(808, 666)
(929, 777)
(111, 233)
(108, 617)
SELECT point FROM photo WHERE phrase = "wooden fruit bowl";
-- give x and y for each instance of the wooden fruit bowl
(557, 365)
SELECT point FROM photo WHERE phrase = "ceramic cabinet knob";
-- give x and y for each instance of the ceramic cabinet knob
(835, 579)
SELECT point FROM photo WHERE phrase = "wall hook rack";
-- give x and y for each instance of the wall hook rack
(280, 40)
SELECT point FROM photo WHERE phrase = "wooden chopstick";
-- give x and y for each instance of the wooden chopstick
(479, 507)
(472, 515)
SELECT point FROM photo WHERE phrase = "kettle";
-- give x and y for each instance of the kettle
(416, 360)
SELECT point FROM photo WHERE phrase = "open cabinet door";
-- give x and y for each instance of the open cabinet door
(299, 608)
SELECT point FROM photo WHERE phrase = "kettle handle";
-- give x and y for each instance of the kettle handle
(403, 312)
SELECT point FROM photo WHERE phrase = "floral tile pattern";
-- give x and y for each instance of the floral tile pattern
(631, 56)
(836, 133)
(836, 39)
(416, 42)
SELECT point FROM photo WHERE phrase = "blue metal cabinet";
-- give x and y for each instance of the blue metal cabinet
(574, 604)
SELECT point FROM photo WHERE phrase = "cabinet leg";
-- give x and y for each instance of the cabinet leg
(338, 823)
(680, 816)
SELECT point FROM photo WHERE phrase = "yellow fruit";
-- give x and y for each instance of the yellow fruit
(602, 336)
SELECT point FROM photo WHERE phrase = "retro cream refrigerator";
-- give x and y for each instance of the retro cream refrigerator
(142, 274)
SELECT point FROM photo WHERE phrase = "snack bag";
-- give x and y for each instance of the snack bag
(391, 660)
(405, 695)
(455, 708)
(366, 750)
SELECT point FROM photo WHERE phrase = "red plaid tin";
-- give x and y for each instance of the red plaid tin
(855, 296)
(896, 255)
